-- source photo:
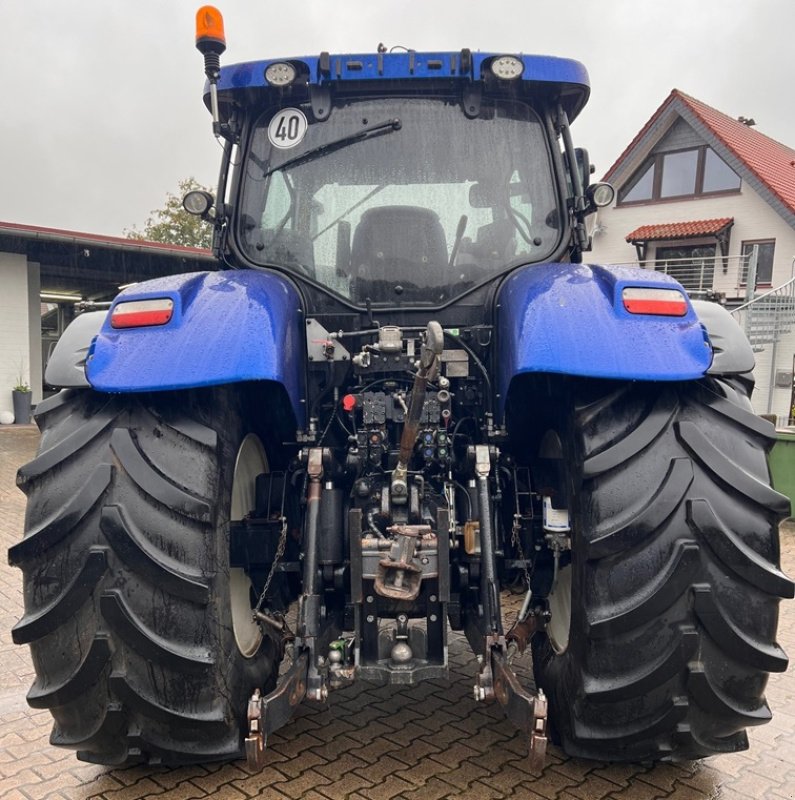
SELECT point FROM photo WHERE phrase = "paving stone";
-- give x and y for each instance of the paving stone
(434, 789)
(415, 751)
(391, 787)
(347, 762)
(754, 784)
(294, 766)
(594, 788)
(637, 790)
(374, 750)
(483, 791)
(464, 775)
(551, 784)
(386, 765)
(297, 787)
(226, 792)
(345, 786)
(213, 781)
(291, 748)
(423, 771)
(681, 791)
(455, 754)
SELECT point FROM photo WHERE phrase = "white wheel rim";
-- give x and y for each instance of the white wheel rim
(559, 625)
(250, 462)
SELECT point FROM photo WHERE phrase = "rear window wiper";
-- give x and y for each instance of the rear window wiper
(382, 127)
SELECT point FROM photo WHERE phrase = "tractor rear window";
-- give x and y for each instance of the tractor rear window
(393, 201)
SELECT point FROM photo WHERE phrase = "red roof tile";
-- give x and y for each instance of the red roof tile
(770, 161)
(679, 230)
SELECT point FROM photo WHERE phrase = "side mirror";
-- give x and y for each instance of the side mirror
(584, 166)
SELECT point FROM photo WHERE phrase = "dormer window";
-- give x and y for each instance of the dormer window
(680, 174)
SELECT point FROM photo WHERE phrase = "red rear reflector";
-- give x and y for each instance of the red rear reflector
(142, 313)
(661, 302)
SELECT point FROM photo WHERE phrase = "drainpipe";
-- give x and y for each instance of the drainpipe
(772, 385)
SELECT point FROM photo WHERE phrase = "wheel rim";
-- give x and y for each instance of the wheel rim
(559, 624)
(250, 462)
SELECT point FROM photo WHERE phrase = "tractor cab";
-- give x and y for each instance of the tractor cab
(400, 179)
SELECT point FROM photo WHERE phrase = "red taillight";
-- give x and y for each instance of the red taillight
(142, 313)
(661, 302)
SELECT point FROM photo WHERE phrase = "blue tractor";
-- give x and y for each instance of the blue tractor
(400, 392)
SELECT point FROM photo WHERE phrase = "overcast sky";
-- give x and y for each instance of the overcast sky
(102, 111)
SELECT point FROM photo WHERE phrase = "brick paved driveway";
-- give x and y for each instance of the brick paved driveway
(429, 741)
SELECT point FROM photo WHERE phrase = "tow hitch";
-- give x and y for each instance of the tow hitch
(526, 711)
(268, 714)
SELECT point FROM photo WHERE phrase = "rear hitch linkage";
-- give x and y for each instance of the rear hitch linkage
(496, 679)
(398, 578)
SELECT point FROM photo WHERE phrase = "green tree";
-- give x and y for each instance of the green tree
(172, 224)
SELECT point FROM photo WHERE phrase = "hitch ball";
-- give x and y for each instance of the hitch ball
(401, 653)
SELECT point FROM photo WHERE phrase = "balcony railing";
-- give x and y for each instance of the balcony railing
(723, 276)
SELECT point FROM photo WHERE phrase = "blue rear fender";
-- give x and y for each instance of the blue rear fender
(569, 319)
(226, 327)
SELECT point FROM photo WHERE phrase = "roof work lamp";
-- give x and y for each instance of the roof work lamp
(211, 42)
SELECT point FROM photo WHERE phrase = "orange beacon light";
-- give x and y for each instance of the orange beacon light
(210, 31)
(211, 42)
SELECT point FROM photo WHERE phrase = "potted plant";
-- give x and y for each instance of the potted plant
(21, 396)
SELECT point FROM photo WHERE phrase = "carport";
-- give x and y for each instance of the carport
(47, 275)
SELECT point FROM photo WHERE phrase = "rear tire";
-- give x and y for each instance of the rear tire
(128, 610)
(675, 579)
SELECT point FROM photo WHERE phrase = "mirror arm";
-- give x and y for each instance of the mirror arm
(580, 202)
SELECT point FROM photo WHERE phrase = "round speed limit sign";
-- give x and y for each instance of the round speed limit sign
(287, 128)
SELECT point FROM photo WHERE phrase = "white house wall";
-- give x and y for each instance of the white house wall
(20, 327)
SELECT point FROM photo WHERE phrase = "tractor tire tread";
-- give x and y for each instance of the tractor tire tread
(675, 561)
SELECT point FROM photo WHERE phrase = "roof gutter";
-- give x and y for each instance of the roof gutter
(88, 241)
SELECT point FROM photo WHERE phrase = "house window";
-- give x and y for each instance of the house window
(682, 173)
(679, 173)
(718, 175)
(764, 262)
(692, 265)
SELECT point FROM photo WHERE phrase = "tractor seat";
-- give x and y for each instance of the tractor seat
(397, 245)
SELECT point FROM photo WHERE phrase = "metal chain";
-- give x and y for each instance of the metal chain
(279, 553)
(516, 541)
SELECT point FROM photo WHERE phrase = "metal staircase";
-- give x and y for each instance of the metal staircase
(769, 316)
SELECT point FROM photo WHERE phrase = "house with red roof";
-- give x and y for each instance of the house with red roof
(710, 200)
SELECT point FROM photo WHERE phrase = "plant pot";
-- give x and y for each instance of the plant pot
(22, 404)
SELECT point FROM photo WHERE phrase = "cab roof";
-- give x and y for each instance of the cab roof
(566, 79)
